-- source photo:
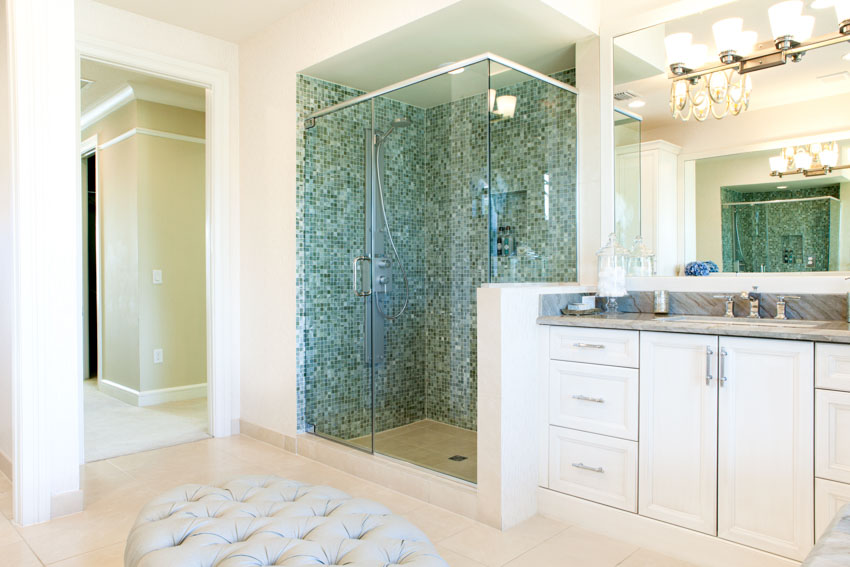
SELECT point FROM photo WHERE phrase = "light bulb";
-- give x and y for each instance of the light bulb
(777, 163)
(802, 159)
(697, 56)
(805, 26)
(506, 105)
(746, 42)
(678, 46)
(726, 34)
(783, 17)
(829, 158)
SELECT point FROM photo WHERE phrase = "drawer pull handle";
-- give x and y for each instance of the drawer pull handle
(587, 345)
(588, 399)
(587, 468)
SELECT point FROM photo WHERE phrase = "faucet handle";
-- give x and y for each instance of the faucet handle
(780, 305)
(730, 304)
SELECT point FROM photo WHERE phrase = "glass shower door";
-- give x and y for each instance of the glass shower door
(335, 275)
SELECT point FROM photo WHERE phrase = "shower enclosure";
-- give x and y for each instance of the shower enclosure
(410, 198)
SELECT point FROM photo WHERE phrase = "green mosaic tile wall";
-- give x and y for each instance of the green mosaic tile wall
(438, 202)
(780, 236)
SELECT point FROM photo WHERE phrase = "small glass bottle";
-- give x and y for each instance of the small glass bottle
(500, 241)
(642, 259)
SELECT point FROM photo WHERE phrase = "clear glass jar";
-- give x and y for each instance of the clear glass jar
(611, 261)
(642, 259)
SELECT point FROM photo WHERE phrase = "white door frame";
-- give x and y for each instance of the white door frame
(221, 306)
(88, 147)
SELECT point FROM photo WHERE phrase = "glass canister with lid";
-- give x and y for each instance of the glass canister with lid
(612, 263)
(642, 259)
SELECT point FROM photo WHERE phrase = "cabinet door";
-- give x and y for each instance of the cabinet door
(832, 435)
(677, 476)
(829, 498)
(765, 458)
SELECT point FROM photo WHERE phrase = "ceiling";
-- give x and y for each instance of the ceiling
(787, 84)
(231, 20)
(107, 80)
(528, 32)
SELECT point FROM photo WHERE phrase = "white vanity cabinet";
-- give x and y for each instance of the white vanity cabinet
(678, 429)
(765, 444)
(725, 442)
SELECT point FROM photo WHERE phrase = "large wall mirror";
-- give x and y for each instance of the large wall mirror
(755, 149)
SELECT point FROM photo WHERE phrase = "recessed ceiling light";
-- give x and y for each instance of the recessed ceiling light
(782, 187)
(846, 56)
(637, 104)
(821, 4)
(457, 71)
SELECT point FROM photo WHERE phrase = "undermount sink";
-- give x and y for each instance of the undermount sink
(791, 323)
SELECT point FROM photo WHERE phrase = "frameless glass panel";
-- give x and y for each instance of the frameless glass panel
(533, 223)
(334, 317)
(626, 177)
(430, 256)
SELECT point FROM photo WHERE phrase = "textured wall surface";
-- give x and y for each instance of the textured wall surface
(780, 236)
(441, 210)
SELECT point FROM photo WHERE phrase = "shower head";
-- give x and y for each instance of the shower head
(398, 122)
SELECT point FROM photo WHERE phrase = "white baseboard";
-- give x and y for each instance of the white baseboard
(680, 543)
(6, 465)
(152, 397)
(66, 503)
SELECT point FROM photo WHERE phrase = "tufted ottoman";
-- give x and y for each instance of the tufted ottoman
(268, 520)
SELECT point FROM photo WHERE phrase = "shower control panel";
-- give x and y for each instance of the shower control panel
(383, 275)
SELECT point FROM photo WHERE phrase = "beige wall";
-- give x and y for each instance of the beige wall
(152, 214)
(5, 257)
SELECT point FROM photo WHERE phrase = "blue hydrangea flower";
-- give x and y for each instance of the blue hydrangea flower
(697, 269)
(712, 267)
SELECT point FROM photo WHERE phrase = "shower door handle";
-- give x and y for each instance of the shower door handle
(357, 290)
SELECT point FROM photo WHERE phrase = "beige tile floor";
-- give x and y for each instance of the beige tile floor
(116, 488)
(113, 428)
(429, 444)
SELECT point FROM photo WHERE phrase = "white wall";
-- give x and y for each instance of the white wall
(268, 64)
(5, 259)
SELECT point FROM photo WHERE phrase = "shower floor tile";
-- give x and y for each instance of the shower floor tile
(430, 444)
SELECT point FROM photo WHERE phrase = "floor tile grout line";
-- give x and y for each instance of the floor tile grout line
(80, 554)
(628, 556)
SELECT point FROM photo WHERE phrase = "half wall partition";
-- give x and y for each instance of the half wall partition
(410, 198)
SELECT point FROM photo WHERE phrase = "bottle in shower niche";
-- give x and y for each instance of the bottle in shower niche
(508, 242)
(500, 241)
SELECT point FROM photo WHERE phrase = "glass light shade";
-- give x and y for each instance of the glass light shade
(697, 56)
(805, 26)
(802, 159)
(678, 46)
(726, 34)
(783, 17)
(506, 105)
(746, 42)
(777, 163)
(815, 148)
(842, 10)
(821, 4)
(829, 158)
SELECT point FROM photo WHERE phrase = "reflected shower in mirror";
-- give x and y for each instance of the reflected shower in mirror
(748, 220)
(626, 176)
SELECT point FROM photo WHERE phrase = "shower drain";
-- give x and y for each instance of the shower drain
(457, 458)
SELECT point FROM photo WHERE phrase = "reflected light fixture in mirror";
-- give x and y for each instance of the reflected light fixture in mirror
(811, 160)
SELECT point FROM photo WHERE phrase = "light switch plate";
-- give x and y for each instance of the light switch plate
(157, 277)
(157, 356)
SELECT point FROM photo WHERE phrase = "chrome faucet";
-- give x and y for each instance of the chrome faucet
(753, 297)
(730, 304)
(780, 305)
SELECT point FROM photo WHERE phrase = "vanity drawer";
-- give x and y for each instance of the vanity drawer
(595, 346)
(832, 366)
(829, 498)
(594, 398)
(595, 467)
(832, 435)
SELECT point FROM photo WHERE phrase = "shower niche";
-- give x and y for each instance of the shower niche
(401, 196)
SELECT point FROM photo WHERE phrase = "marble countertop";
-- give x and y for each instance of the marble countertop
(827, 332)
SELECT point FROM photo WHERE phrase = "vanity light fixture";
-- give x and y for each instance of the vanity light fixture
(720, 88)
(811, 160)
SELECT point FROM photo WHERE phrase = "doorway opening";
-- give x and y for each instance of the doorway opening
(144, 260)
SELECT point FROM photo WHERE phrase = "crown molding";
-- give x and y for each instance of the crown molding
(107, 106)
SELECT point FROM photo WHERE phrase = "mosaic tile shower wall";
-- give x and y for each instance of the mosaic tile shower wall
(438, 203)
(779, 237)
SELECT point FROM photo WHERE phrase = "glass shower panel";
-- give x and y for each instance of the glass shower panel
(431, 161)
(533, 197)
(335, 278)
